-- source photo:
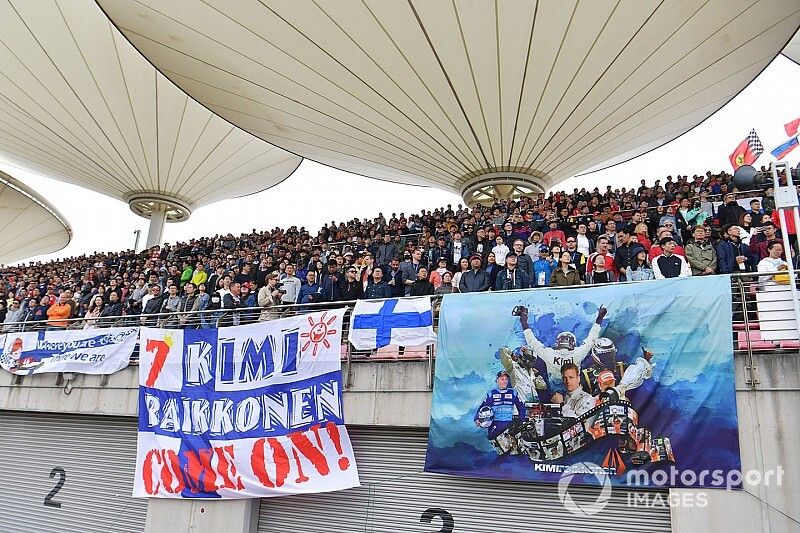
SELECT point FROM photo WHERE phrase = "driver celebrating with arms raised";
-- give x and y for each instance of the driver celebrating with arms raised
(565, 350)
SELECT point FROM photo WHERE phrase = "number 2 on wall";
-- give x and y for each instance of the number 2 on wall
(62, 477)
(448, 524)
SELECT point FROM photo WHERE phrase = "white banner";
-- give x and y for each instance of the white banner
(243, 412)
(395, 321)
(90, 351)
(776, 312)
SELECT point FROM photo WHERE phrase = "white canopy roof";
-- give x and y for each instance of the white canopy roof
(80, 104)
(792, 50)
(29, 225)
(449, 93)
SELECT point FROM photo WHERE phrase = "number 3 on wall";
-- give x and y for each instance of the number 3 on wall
(62, 477)
(448, 523)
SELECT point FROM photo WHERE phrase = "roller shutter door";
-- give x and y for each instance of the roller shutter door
(395, 494)
(97, 456)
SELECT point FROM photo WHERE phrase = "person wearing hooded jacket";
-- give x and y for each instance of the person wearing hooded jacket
(475, 279)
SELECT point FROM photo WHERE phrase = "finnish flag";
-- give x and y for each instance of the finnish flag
(395, 321)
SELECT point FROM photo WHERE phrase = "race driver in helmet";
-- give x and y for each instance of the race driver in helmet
(566, 349)
(603, 358)
(526, 371)
(504, 403)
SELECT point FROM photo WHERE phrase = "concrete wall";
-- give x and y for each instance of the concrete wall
(397, 394)
(384, 394)
(769, 439)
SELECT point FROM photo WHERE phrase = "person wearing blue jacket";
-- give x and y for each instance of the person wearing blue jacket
(732, 254)
(512, 277)
(310, 292)
(378, 289)
(505, 405)
(543, 268)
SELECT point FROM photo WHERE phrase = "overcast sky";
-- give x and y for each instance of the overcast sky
(316, 194)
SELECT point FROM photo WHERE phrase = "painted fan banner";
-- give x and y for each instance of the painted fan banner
(246, 411)
(81, 351)
(636, 378)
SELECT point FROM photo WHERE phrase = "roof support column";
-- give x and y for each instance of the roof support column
(158, 217)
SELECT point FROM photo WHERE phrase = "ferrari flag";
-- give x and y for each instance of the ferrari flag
(748, 151)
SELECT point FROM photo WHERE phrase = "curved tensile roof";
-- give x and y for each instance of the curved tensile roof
(78, 103)
(448, 93)
(792, 50)
(29, 225)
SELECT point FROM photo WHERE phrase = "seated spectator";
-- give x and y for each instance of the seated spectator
(524, 261)
(378, 288)
(554, 233)
(190, 303)
(608, 263)
(151, 305)
(475, 279)
(447, 284)
(500, 251)
(773, 263)
(543, 268)
(599, 273)
(14, 314)
(290, 285)
(350, 287)
(199, 275)
(110, 311)
(656, 250)
(639, 269)
(728, 213)
(436, 275)
(269, 297)
(170, 304)
(732, 255)
(511, 277)
(700, 254)
(421, 286)
(670, 264)
(310, 292)
(95, 308)
(58, 314)
(463, 266)
(231, 302)
(746, 229)
(565, 274)
(760, 241)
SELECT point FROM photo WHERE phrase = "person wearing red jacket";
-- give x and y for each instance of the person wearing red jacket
(554, 234)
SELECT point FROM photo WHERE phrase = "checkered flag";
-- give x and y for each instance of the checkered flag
(748, 151)
(755, 143)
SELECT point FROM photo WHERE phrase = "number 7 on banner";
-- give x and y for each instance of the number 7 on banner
(160, 348)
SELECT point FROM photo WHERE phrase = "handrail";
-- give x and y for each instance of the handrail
(749, 322)
(307, 307)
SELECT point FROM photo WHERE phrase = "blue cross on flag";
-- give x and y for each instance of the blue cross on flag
(395, 321)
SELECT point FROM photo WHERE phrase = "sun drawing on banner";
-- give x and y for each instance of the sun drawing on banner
(318, 334)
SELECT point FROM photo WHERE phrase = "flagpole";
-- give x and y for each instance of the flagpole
(781, 195)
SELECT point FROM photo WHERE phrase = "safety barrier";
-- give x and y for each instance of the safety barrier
(763, 321)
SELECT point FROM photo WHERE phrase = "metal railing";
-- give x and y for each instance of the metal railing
(763, 321)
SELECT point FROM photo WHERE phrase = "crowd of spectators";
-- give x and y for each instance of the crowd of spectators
(662, 230)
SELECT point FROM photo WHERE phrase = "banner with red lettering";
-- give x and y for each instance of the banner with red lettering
(248, 411)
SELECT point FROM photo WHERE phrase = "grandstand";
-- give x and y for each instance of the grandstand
(248, 259)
